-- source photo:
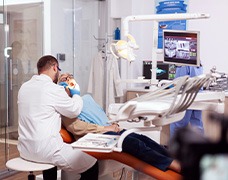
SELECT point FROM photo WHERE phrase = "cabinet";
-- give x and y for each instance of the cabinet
(131, 94)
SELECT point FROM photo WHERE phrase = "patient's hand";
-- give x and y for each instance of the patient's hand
(113, 127)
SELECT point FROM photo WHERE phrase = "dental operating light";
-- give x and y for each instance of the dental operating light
(124, 49)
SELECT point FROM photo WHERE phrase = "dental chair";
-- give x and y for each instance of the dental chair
(128, 160)
(163, 106)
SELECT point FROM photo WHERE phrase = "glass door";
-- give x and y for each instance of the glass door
(86, 26)
(3, 89)
(21, 44)
(3, 84)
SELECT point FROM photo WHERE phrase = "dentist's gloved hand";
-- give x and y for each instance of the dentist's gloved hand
(64, 84)
(75, 90)
(72, 90)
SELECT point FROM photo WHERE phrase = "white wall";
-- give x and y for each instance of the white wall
(120, 8)
(213, 33)
(62, 32)
(140, 30)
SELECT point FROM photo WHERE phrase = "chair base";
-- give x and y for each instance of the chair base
(31, 176)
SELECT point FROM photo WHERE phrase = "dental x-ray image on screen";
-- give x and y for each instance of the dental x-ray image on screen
(163, 71)
(181, 47)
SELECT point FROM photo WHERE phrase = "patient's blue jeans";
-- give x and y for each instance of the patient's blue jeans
(146, 150)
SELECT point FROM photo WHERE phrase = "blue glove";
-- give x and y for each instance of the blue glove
(75, 90)
(64, 84)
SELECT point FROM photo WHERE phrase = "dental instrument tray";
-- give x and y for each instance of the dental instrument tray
(96, 142)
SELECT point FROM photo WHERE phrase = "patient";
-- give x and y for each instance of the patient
(93, 119)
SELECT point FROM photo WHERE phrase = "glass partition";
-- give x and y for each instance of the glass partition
(86, 26)
(21, 43)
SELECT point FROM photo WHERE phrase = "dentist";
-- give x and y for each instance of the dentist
(41, 102)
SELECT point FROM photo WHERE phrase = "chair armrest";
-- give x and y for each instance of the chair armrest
(66, 135)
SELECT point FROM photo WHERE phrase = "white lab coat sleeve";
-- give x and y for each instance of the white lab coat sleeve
(111, 92)
(67, 106)
(96, 79)
(113, 88)
(91, 78)
(116, 78)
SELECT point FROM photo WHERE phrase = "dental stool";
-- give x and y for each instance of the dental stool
(19, 164)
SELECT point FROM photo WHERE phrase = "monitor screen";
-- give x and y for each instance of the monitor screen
(181, 47)
(164, 71)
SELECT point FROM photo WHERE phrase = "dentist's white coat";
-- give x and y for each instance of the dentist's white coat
(40, 103)
(104, 90)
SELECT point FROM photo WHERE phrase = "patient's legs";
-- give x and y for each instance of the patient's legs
(149, 151)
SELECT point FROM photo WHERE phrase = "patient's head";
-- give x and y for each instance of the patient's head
(68, 78)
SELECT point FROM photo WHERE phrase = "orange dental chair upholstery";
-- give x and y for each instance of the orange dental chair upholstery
(127, 159)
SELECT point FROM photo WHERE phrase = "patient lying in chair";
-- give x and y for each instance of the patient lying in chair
(94, 120)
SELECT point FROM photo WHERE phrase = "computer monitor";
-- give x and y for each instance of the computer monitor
(181, 47)
(164, 71)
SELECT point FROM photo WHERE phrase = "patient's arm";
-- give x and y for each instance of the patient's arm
(80, 128)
